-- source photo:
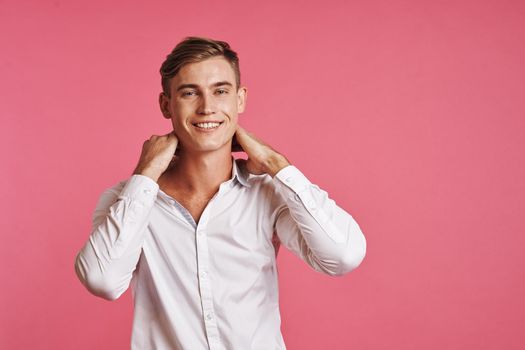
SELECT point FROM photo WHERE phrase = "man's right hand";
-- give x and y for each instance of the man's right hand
(157, 154)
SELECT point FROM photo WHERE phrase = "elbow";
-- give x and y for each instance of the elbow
(349, 263)
(351, 258)
(97, 283)
(101, 288)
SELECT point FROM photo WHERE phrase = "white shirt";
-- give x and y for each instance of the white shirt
(213, 285)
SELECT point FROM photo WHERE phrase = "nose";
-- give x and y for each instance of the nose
(206, 105)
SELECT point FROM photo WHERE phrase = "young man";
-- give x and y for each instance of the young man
(196, 232)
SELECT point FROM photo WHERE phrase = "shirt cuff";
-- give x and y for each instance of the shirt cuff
(141, 188)
(293, 178)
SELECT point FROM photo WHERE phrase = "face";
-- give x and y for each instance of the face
(204, 105)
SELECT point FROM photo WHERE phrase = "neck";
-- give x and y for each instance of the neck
(200, 172)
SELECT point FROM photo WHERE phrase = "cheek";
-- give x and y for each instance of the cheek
(180, 115)
(178, 126)
(229, 109)
(231, 101)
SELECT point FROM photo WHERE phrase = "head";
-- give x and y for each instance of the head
(201, 83)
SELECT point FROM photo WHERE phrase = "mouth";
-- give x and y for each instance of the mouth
(207, 126)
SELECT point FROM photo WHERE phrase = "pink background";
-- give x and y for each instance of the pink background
(409, 113)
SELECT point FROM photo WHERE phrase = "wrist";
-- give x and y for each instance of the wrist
(275, 163)
(151, 173)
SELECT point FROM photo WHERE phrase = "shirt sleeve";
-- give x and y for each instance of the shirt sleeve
(313, 226)
(106, 262)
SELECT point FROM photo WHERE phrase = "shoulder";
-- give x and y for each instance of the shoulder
(263, 186)
(255, 182)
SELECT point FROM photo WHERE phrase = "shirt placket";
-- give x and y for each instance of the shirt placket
(205, 288)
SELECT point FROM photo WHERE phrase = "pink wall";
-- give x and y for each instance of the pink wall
(416, 106)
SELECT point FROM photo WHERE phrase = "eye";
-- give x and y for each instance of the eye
(188, 93)
(221, 91)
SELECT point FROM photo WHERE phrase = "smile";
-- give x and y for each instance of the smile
(207, 126)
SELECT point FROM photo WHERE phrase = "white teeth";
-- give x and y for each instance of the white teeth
(207, 125)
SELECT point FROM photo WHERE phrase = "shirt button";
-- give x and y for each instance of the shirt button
(148, 191)
(204, 274)
(209, 316)
(288, 179)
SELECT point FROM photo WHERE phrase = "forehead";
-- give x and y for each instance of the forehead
(205, 72)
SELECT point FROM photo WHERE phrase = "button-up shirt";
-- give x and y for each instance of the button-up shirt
(213, 284)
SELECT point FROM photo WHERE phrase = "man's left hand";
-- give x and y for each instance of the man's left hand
(262, 159)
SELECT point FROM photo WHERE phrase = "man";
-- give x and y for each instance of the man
(196, 232)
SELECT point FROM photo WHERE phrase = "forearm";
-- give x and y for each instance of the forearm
(323, 234)
(106, 262)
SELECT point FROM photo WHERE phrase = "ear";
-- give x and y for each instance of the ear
(164, 102)
(242, 95)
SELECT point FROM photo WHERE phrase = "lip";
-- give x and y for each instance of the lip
(207, 121)
(207, 131)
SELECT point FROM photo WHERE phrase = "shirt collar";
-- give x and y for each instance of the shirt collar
(240, 173)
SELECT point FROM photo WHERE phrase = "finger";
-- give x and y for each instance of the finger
(172, 134)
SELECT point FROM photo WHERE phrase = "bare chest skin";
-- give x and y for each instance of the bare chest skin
(194, 203)
(192, 200)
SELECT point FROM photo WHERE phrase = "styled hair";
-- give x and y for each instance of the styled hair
(196, 49)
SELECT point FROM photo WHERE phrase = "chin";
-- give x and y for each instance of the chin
(211, 147)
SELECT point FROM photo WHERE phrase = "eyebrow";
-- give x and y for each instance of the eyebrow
(195, 86)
